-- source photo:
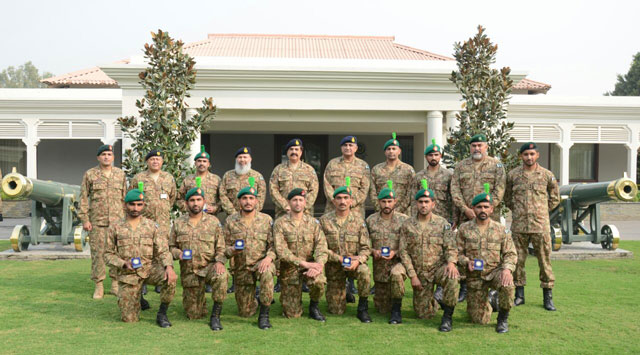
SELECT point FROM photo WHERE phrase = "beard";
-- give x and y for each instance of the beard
(433, 162)
(477, 156)
(243, 169)
(387, 210)
(195, 209)
(248, 208)
(482, 216)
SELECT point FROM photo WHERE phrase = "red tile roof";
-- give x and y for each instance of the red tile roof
(283, 46)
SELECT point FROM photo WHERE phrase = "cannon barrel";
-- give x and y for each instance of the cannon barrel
(15, 185)
(623, 189)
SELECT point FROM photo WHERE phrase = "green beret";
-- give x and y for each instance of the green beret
(296, 192)
(527, 146)
(478, 138)
(194, 191)
(247, 191)
(134, 195)
(342, 190)
(391, 142)
(433, 148)
(483, 197)
(425, 193)
(105, 148)
(386, 193)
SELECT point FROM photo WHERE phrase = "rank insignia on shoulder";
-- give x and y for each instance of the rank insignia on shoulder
(507, 231)
(136, 263)
(261, 177)
(364, 225)
(220, 224)
(499, 165)
(447, 226)
(315, 219)
(367, 167)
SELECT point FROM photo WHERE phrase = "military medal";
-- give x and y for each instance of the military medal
(239, 244)
(136, 263)
(385, 251)
(478, 264)
(187, 254)
(346, 261)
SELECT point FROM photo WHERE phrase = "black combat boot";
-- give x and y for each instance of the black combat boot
(314, 312)
(503, 325)
(305, 288)
(208, 288)
(263, 318)
(161, 317)
(351, 298)
(494, 300)
(363, 310)
(373, 290)
(232, 289)
(438, 296)
(519, 296)
(144, 304)
(144, 289)
(463, 291)
(276, 287)
(548, 299)
(396, 311)
(445, 324)
(214, 321)
(158, 289)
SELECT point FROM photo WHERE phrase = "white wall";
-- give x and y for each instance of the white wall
(613, 161)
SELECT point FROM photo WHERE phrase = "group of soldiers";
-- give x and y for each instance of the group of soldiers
(436, 227)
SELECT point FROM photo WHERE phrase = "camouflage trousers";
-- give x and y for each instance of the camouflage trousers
(386, 291)
(96, 243)
(246, 289)
(424, 304)
(542, 247)
(291, 280)
(336, 294)
(478, 305)
(130, 291)
(194, 298)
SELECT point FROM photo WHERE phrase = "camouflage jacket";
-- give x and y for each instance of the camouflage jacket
(349, 238)
(284, 178)
(258, 240)
(302, 242)
(232, 183)
(385, 233)
(334, 176)
(494, 246)
(210, 184)
(145, 242)
(159, 196)
(102, 197)
(205, 240)
(469, 178)
(440, 183)
(424, 247)
(530, 196)
(402, 177)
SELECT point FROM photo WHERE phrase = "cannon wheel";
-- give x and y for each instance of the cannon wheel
(80, 239)
(612, 237)
(17, 238)
(556, 238)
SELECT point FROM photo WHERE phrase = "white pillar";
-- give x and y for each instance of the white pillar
(109, 132)
(632, 160)
(451, 121)
(32, 157)
(434, 127)
(195, 145)
(564, 162)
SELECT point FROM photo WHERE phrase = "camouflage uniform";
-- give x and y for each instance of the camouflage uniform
(284, 178)
(102, 204)
(468, 180)
(386, 233)
(258, 240)
(145, 242)
(495, 247)
(232, 183)
(210, 183)
(440, 183)
(206, 242)
(159, 198)
(530, 196)
(334, 176)
(425, 250)
(295, 242)
(349, 237)
(402, 177)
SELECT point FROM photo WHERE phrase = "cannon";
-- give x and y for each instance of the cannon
(54, 216)
(581, 203)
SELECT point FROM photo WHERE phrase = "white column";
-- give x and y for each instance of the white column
(109, 132)
(451, 122)
(31, 141)
(434, 127)
(195, 145)
(564, 162)
(632, 160)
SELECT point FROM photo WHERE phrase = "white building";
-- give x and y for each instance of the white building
(270, 88)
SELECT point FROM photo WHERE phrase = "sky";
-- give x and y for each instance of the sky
(576, 46)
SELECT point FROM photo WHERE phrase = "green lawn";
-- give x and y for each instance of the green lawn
(46, 306)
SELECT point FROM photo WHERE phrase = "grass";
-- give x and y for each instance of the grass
(46, 306)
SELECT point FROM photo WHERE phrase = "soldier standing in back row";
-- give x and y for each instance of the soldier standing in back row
(439, 179)
(209, 183)
(347, 165)
(532, 191)
(399, 172)
(236, 179)
(102, 204)
(469, 177)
